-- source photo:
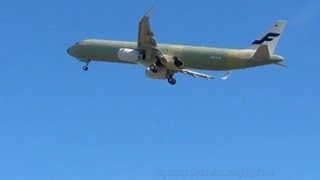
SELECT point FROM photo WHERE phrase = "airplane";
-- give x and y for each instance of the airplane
(163, 61)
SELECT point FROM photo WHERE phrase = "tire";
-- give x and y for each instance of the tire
(172, 81)
(153, 68)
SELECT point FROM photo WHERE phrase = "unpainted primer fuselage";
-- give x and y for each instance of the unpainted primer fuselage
(203, 58)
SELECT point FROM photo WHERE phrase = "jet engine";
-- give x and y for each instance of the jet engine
(161, 74)
(131, 55)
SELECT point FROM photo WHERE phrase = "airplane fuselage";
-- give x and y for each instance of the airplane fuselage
(193, 57)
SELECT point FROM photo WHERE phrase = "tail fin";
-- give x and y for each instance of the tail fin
(262, 52)
(271, 38)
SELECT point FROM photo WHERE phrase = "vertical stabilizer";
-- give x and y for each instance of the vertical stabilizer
(271, 38)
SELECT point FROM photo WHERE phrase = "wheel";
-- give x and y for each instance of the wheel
(153, 68)
(172, 80)
(85, 68)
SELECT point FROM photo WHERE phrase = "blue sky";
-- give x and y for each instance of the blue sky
(58, 122)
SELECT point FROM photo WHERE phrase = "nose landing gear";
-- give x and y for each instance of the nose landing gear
(86, 67)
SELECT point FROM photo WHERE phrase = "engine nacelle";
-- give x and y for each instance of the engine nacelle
(161, 74)
(131, 55)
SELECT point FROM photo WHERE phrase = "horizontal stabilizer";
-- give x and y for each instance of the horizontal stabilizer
(262, 52)
(227, 75)
(280, 64)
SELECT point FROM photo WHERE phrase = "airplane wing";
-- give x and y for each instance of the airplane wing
(205, 76)
(148, 43)
(146, 38)
(196, 74)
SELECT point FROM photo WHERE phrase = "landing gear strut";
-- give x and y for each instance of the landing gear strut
(86, 68)
(172, 80)
(155, 67)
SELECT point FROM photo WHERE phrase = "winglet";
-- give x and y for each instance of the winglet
(149, 12)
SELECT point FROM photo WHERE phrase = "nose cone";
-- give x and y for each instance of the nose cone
(71, 51)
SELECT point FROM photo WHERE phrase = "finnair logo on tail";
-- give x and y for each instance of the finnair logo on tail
(268, 37)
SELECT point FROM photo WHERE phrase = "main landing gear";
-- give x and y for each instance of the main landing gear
(172, 80)
(153, 68)
(86, 68)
